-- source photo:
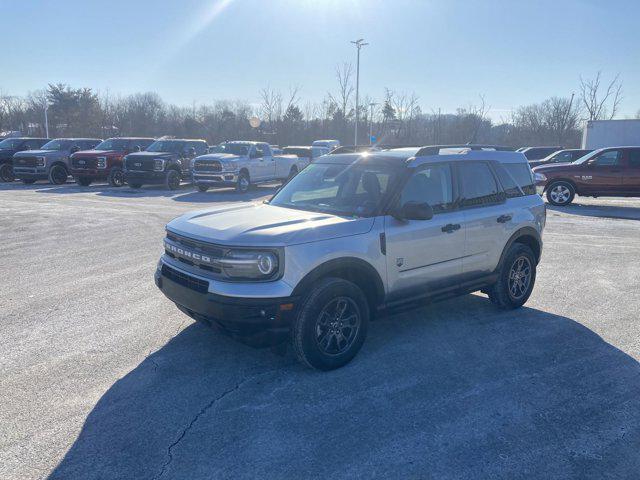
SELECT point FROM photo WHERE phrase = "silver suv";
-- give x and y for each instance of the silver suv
(353, 234)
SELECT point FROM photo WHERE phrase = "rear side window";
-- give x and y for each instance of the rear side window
(514, 175)
(478, 186)
(634, 158)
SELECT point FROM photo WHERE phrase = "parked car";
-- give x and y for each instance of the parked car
(608, 172)
(276, 150)
(330, 144)
(243, 164)
(309, 154)
(12, 145)
(354, 234)
(165, 162)
(562, 156)
(51, 161)
(538, 153)
(105, 161)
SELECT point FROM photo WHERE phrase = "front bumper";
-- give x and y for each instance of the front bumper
(237, 315)
(31, 173)
(218, 178)
(540, 187)
(145, 178)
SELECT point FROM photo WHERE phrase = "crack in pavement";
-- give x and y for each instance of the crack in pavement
(202, 411)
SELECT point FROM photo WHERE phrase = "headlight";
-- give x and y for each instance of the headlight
(102, 162)
(251, 265)
(40, 162)
(230, 166)
(158, 165)
(539, 177)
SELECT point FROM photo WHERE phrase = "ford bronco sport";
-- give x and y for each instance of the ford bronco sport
(607, 172)
(352, 234)
(165, 162)
(105, 161)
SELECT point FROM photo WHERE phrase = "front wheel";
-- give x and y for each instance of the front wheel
(516, 279)
(58, 175)
(6, 173)
(83, 181)
(116, 177)
(173, 180)
(243, 182)
(331, 324)
(560, 193)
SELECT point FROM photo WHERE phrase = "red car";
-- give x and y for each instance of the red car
(608, 172)
(105, 162)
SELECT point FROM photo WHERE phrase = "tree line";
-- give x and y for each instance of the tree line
(397, 118)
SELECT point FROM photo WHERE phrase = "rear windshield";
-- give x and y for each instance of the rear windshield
(514, 175)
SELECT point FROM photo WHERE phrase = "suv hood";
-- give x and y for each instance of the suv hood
(32, 153)
(264, 225)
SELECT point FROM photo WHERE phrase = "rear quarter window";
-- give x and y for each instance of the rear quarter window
(514, 175)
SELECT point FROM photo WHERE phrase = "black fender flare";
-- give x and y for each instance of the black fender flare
(531, 238)
(351, 268)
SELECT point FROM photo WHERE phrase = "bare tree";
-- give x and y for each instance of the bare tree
(271, 106)
(344, 74)
(595, 101)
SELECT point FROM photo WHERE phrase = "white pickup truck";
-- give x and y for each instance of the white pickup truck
(242, 164)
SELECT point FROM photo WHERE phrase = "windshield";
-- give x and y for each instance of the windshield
(60, 144)
(235, 149)
(10, 143)
(170, 146)
(113, 144)
(354, 190)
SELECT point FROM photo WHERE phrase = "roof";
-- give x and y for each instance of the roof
(495, 155)
(131, 138)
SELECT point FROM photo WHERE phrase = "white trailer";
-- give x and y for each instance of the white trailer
(610, 133)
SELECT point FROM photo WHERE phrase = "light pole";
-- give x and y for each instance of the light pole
(46, 119)
(359, 44)
(371, 105)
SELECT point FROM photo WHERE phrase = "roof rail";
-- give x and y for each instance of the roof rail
(435, 149)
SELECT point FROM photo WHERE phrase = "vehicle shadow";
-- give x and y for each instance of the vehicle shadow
(451, 390)
(602, 211)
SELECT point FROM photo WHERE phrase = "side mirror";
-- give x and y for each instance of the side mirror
(137, 148)
(75, 149)
(191, 151)
(416, 211)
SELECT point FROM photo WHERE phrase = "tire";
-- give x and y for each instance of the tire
(203, 188)
(134, 185)
(319, 337)
(560, 193)
(58, 175)
(172, 180)
(116, 177)
(509, 291)
(244, 183)
(83, 181)
(6, 173)
(28, 181)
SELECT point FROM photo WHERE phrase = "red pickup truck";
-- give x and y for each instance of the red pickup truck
(608, 172)
(105, 162)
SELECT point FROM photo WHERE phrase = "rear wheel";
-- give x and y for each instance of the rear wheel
(244, 183)
(58, 175)
(6, 173)
(203, 188)
(331, 324)
(560, 193)
(116, 177)
(516, 280)
(83, 181)
(172, 181)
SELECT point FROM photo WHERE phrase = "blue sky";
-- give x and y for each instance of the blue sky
(446, 51)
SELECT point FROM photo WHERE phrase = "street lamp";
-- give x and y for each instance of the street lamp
(371, 105)
(359, 44)
(46, 119)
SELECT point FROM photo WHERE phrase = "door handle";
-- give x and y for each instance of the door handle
(504, 218)
(451, 227)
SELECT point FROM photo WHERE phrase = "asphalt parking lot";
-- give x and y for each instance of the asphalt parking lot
(101, 377)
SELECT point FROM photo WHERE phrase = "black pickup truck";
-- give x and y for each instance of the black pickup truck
(12, 145)
(165, 162)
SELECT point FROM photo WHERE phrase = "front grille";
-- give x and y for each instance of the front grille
(140, 164)
(201, 286)
(88, 163)
(200, 247)
(207, 166)
(25, 161)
